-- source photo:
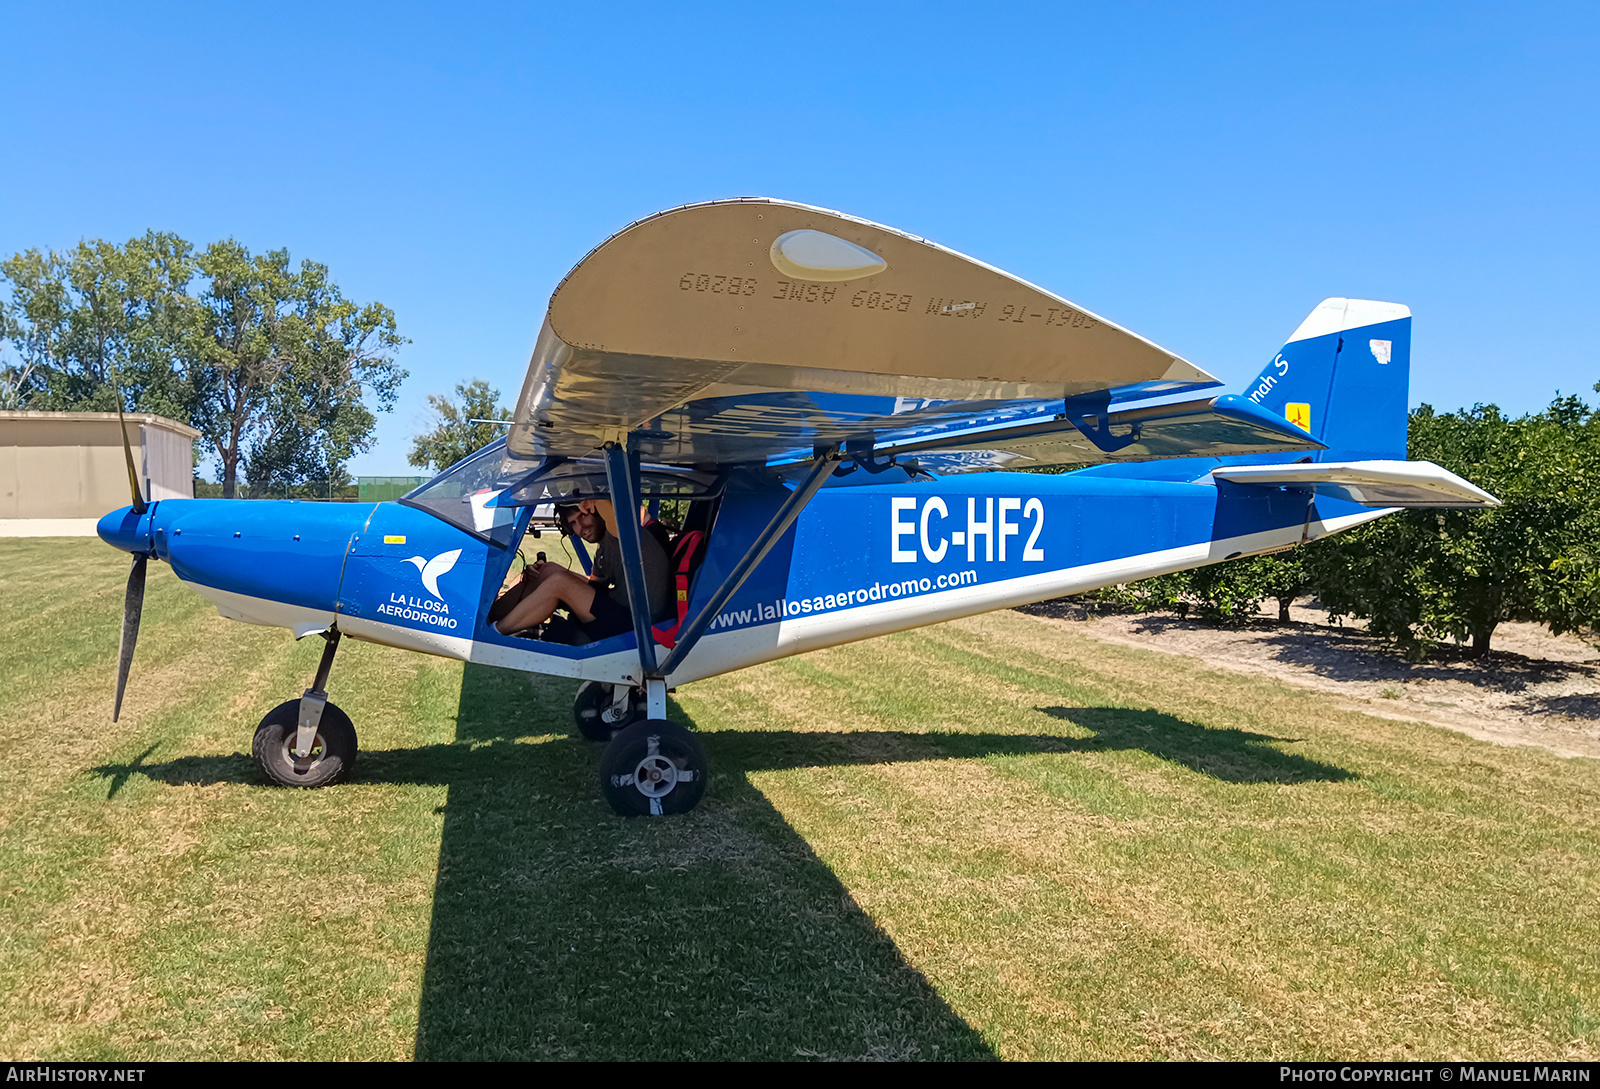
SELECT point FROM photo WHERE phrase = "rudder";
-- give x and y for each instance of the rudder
(1344, 376)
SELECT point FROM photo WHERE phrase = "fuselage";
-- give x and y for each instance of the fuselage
(863, 559)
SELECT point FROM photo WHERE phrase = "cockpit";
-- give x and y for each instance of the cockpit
(523, 507)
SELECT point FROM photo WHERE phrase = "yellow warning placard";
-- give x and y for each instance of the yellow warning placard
(1299, 415)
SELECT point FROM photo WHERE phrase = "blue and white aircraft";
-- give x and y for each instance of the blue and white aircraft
(835, 404)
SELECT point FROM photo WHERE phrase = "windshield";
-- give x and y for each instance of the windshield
(481, 493)
(468, 494)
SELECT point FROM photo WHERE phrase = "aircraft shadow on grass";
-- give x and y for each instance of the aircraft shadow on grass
(559, 931)
(1234, 756)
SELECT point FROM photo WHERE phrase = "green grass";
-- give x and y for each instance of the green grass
(990, 838)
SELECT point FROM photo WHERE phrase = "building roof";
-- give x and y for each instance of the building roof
(146, 418)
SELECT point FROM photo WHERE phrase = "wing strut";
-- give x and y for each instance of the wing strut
(826, 460)
(622, 478)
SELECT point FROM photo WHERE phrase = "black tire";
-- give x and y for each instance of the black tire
(653, 768)
(590, 706)
(333, 753)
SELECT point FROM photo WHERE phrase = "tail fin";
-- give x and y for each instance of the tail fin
(1345, 377)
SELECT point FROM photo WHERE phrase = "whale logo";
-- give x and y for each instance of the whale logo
(432, 569)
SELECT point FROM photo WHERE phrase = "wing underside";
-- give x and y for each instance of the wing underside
(1226, 426)
(751, 331)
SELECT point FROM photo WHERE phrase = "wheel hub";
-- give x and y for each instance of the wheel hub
(302, 764)
(655, 776)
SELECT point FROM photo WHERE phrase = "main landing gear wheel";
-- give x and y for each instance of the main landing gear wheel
(333, 753)
(653, 768)
(593, 711)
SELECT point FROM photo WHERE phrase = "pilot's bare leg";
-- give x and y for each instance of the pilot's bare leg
(509, 597)
(552, 592)
(552, 574)
(544, 569)
(532, 577)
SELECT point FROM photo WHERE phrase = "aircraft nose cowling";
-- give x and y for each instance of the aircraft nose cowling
(125, 530)
(281, 552)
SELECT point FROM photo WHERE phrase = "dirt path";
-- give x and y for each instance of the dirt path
(1535, 688)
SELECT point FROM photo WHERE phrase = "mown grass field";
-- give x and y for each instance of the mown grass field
(993, 838)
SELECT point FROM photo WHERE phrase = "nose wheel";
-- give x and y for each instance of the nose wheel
(652, 769)
(332, 751)
(307, 742)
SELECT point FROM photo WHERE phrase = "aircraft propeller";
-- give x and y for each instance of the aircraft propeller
(133, 599)
(132, 609)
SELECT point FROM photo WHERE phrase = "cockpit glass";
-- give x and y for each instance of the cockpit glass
(471, 493)
(482, 493)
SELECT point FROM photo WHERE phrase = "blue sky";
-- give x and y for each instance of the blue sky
(1202, 174)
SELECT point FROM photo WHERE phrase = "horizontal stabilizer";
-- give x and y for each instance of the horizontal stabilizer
(1226, 426)
(1370, 483)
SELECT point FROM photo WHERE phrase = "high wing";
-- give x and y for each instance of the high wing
(753, 331)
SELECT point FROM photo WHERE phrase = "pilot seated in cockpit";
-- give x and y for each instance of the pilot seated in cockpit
(598, 604)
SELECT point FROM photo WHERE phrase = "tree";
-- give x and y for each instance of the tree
(1230, 591)
(94, 314)
(1429, 574)
(272, 364)
(1158, 593)
(282, 364)
(1285, 577)
(1234, 589)
(454, 435)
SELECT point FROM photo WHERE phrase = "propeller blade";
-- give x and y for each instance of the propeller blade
(133, 483)
(132, 609)
(133, 474)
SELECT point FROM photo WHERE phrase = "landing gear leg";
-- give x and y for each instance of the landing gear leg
(316, 697)
(656, 767)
